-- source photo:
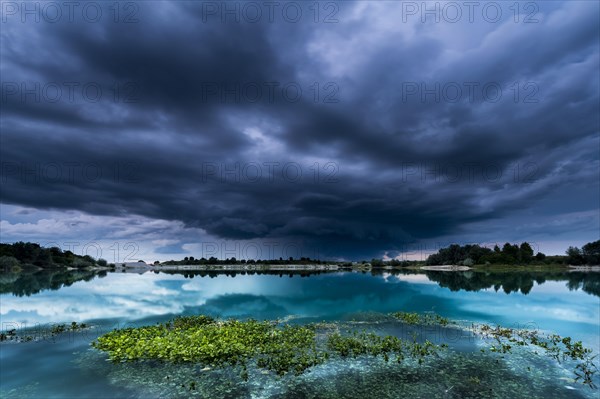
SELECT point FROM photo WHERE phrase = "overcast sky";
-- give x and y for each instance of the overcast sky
(346, 130)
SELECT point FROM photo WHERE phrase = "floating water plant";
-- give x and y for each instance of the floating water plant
(555, 346)
(203, 340)
(421, 319)
(357, 344)
(42, 332)
(281, 348)
(293, 349)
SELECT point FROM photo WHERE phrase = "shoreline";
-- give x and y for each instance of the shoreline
(586, 268)
(144, 267)
(243, 267)
(447, 268)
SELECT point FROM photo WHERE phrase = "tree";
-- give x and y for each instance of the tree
(8, 263)
(89, 259)
(102, 262)
(591, 253)
(376, 262)
(476, 253)
(44, 259)
(525, 252)
(434, 259)
(574, 256)
(510, 253)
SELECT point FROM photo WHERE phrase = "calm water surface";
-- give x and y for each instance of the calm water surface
(66, 366)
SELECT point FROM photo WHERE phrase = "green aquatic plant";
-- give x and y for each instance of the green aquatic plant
(200, 339)
(585, 372)
(428, 319)
(41, 332)
(61, 328)
(280, 348)
(77, 327)
(183, 322)
(58, 329)
(359, 344)
(555, 346)
(9, 335)
(293, 349)
(408, 318)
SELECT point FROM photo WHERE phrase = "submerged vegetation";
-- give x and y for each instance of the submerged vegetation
(555, 346)
(293, 349)
(358, 344)
(41, 332)
(422, 319)
(281, 348)
(213, 343)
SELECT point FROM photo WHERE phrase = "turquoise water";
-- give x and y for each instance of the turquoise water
(66, 367)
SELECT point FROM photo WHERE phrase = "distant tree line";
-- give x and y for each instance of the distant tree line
(469, 255)
(23, 255)
(233, 261)
(234, 273)
(392, 262)
(512, 254)
(589, 254)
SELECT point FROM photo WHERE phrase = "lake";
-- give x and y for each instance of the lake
(65, 365)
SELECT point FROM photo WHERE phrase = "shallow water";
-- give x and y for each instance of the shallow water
(66, 366)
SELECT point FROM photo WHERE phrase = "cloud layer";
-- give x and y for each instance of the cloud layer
(356, 137)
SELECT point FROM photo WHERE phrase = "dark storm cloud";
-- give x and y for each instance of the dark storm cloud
(393, 167)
